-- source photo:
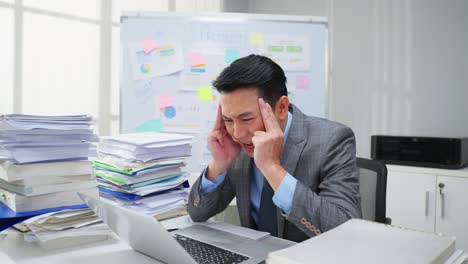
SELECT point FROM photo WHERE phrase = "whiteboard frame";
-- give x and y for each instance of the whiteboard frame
(224, 17)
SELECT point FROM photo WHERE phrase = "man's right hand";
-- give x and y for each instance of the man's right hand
(223, 148)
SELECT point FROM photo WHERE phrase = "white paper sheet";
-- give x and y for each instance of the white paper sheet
(238, 230)
(166, 59)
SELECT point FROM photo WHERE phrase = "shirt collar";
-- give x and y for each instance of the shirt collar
(288, 126)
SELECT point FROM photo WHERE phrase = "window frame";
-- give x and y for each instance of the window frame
(105, 117)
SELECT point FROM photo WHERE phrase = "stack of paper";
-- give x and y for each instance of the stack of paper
(27, 138)
(43, 163)
(65, 228)
(143, 171)
(360, 241)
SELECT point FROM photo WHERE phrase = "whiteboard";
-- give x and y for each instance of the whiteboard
(169, 61)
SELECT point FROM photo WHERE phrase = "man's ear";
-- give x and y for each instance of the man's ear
(282, 107)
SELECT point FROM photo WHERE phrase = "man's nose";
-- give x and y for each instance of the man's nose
(239, 132)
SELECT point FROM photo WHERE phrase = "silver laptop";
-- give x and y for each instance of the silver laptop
(194, 244)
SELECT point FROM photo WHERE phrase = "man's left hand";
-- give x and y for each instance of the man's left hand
(268, 146)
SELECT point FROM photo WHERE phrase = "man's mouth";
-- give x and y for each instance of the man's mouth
(248, 147)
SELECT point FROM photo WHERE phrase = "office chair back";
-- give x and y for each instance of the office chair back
(373, 189)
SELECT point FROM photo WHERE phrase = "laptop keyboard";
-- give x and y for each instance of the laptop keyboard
(206, 253)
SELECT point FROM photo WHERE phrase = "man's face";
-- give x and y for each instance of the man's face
(242, 117)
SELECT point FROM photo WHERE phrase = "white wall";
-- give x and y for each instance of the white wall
(396, 67)
(400, 67)
(237, 6)
(291, 7)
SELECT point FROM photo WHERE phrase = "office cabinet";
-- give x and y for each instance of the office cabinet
(411, 200)
(431, 200)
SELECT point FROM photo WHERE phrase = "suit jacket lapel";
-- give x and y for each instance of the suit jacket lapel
(292, 150)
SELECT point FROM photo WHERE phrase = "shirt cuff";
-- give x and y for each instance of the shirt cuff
(207, 186)
(283, 197)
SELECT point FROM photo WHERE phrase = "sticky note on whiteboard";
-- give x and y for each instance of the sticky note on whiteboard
(196, 58)
(154, 125)
(165, 100)
(205, 93)
(302, 82)
(256, 39)
(148, 44)
(231, 55)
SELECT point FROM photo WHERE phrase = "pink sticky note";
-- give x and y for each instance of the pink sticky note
(148, 44)
(165, 100)
(302, 82)
(196, 58)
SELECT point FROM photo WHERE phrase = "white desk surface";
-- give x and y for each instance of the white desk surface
(109, 251)
(13, 249)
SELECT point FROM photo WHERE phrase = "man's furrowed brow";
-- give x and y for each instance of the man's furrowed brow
(244, 115)
(240, 116)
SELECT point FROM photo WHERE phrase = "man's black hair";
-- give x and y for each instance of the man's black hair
(254, 71)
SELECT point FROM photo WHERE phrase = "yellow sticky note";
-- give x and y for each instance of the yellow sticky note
(205, 93)
(256, 39)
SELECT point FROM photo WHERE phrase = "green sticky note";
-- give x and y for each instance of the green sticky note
(205, 93)
(294, 49)
(275, 48)
(256, 39)
(231, 55)
(154, 125)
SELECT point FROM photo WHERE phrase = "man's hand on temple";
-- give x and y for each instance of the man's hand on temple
(268, 146)
(223, 148)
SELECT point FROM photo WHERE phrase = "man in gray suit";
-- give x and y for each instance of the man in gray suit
(293, 175)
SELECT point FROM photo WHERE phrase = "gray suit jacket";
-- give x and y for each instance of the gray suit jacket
(321, 155)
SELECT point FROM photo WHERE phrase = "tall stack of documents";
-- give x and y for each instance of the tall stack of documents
(143, 171)
(44, 163)
(361, 241)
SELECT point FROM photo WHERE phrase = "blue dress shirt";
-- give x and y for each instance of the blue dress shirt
(283, 196)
